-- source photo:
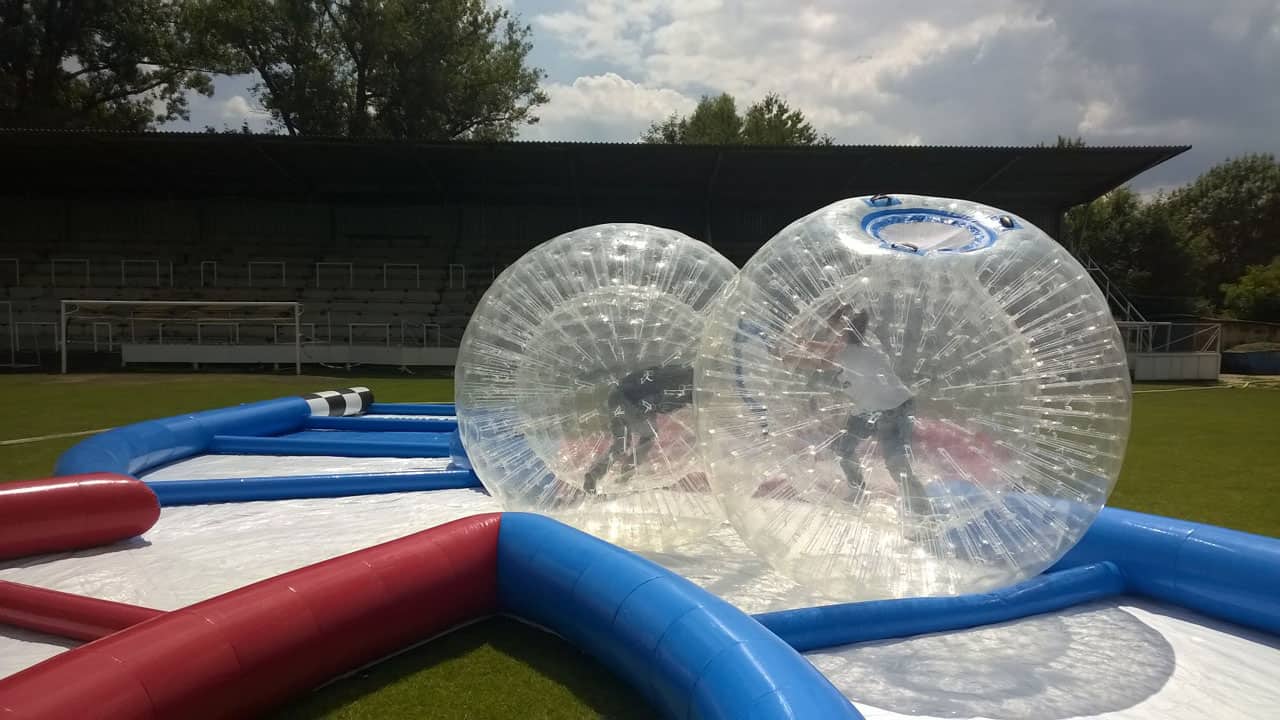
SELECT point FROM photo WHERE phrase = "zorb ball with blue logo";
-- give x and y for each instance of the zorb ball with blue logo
(574, 383)
(906, 395)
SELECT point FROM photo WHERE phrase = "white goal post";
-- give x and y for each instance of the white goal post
(195, 313)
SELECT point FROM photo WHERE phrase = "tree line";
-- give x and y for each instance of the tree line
(1211, 247)
(443, 70)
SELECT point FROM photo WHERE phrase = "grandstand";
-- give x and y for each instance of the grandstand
(385, 247)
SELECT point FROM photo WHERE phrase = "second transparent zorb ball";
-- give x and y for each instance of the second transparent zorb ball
(574, 383)
(905, 396)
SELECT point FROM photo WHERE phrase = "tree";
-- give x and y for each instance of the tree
(102, 64)
(444, 70)
(1256, 295)
(1139, 249)
(715, 121)
(1065, 141)
(1230, 218)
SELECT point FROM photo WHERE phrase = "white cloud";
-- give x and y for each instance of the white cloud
(604, 107)
(236, 109)
(984, 72)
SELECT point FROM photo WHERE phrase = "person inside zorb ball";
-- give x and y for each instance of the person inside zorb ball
(904, 395)
(574, 383)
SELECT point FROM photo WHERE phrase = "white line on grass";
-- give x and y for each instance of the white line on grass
(38, 438)
(1182, 389)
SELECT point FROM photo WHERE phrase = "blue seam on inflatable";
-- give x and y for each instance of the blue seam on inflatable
(338, 444)
(386, 408)
(815, 628)
(225, 490)
(373, 423)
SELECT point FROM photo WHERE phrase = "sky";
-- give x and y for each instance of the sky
(983, 72)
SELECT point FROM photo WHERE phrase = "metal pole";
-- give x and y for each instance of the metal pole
(297, 339)
(62, 325)
(13, 334)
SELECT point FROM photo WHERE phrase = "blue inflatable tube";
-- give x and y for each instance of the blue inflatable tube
(831, 625)
(1226, 574)
(373, 423)
(691, 653)
(403, 445)
(225, 490)
(382, 408)
(134, 449)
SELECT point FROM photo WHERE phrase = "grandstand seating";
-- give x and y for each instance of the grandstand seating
(407, 275)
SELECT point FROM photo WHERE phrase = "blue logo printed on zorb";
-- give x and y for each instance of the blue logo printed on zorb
(978, 233)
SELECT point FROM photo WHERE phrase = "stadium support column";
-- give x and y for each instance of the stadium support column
(62, 333)
(297, 339)
(706, 208)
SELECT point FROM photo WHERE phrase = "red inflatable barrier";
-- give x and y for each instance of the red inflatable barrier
(241, 653)
(73, 512)
(66, 615)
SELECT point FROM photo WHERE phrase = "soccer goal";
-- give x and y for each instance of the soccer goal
(190, 331)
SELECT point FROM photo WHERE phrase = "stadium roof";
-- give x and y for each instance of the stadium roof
(332, 168)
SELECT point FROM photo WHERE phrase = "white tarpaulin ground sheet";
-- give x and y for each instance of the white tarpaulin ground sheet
(206, 467)
(1117, 659)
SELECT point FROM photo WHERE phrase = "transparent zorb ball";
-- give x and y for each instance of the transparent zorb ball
(904, 396)
(574, 383)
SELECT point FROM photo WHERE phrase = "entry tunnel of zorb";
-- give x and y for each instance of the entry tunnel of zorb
(221, 563)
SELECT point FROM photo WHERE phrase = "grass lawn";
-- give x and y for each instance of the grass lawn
(498, 668)
(1200, 454)
(1209, 455)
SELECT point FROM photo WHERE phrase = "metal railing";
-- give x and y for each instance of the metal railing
(1170, 337)
(1120, 304)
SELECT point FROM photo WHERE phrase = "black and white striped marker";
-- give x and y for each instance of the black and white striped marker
(340, 403)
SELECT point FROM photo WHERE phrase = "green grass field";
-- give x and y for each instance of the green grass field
(497, 668)
(1200, 454)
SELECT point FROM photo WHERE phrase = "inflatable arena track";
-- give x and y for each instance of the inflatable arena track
(220, 564)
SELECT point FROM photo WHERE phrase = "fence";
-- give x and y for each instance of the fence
(1172, 351)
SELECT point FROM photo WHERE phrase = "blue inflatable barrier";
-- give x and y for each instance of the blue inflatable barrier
(814, 628)
(403, 445)
(373, 423)
(382, 408)
(691, 653)
(134, 449)
(224, 490)
(1222, 573)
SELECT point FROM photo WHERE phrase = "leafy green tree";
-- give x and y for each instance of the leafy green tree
(715, 121)
(1139, 248)
(444, 70)
(98, 64)
(1230, 218)
(1065, 141)
(1256, 295)
(772, 122)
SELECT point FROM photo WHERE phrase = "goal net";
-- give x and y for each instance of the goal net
(183, 331)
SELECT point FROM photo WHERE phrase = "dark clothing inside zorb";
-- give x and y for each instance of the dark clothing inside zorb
(633, 407)
(665, 388)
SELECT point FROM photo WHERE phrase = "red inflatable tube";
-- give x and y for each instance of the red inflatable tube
(241, 653)
(66, 615)
(73, 512)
